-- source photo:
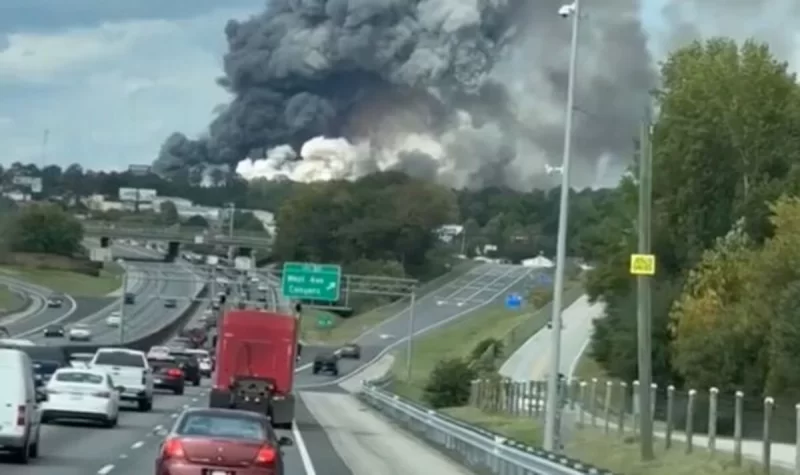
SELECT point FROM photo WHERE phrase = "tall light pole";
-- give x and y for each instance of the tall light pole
(553, 403)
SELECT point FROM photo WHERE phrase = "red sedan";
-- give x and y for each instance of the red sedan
(221, 442)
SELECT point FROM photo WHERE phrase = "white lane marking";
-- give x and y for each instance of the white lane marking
(194, 399)
(158, 428)
(137, 445)
(105, 470)
(303, 451)
(174, 415)
(123, 456)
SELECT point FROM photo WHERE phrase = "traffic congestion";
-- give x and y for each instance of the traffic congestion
(49, 383)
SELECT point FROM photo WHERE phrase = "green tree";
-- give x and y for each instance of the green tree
(449, 383)
(724, 146)
(247, 221)
(169, 213)
(197, 221)
(724, 142)
(46, 228)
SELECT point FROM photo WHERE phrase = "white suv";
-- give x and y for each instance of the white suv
(129, 369)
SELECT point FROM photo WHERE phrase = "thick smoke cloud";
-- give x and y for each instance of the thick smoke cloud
(466, 92)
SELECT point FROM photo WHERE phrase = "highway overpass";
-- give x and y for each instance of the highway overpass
(242, 242)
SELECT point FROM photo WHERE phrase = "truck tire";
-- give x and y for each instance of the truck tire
(145, 405)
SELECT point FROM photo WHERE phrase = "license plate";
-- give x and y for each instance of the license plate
(157, 381)
(218, 472)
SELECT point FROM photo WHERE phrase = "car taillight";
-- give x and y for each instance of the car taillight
(175, 373)
(102, 394)
(172, 449)
(266, 455)
(20, 415)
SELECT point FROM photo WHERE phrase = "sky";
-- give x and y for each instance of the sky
(103, 82)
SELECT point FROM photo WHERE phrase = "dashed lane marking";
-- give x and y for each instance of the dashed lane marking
(105, 470)
(137, 445)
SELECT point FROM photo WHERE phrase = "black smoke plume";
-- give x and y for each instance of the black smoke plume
(378, 69)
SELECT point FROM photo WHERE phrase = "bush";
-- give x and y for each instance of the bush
(449, 383)
(540, 296)
(485, 345)
(485, 354)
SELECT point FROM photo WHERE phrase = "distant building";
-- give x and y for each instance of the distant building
(448, 232)
(538, 262)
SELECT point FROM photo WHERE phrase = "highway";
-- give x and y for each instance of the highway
(131, 448)
(532, 360)
(364, 443)
(480, 286)
(149, 281)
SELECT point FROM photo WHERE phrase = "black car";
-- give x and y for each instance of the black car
(326, 363)
(43, 370)
(55, 331)
(55, 301)
(170, 303)
(189, 365)
(167, 374)
(350, 350)
(130, 298)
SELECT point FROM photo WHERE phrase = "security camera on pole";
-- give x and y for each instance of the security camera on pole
(553, 382)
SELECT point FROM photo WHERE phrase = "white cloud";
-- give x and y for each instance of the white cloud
(109, 95)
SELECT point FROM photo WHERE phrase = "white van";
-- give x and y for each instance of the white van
(20, 414)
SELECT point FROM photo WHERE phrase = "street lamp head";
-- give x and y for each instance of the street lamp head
(565, 11)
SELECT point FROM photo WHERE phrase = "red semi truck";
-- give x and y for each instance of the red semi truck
(255, 360)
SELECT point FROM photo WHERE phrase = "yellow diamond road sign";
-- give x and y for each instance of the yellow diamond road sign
(643, 264)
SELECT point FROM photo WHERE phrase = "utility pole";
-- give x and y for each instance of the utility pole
(643, 284)
(122, 306)
(231, 220)
(463, 240)
(45, 138)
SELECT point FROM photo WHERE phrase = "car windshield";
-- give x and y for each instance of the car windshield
(217, 425)
(158, 364)
(45, 367)
(78, 377)
(119, 358)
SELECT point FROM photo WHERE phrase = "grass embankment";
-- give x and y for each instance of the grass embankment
(673, 461)
(347, 329)
(9, 301)
(71, 283)
(588, 444)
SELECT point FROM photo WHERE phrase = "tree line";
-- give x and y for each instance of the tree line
(725, 222)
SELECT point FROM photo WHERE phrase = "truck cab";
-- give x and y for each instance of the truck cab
(255, 360)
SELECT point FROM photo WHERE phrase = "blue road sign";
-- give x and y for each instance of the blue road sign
(513, 301)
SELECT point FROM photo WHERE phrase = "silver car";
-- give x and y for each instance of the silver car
(80, 332)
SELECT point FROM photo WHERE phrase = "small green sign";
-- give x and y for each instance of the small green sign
(308, 281)
(324, 321)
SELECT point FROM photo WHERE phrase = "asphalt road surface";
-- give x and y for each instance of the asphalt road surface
(532, 360)
(131, 447)
(483, 285)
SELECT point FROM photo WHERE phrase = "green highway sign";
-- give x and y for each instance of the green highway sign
(324, 321)
(305, 280)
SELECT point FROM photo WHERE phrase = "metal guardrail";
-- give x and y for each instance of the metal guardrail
(190, 235)
(479, 449)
